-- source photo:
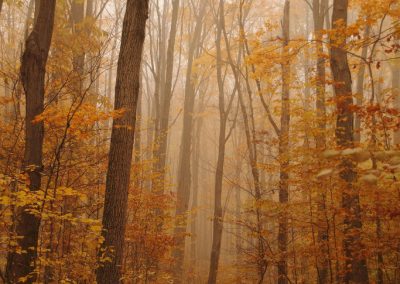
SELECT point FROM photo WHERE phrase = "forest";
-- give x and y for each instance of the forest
(200, 141)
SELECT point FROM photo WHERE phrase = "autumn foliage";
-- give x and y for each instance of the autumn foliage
(266, 142)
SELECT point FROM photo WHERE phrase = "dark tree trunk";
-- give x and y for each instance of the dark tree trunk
(33, 69)
(356, 265)
(284, 151)
(122, 139)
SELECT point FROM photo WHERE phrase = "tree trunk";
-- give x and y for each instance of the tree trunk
(250, 132)
(318, 16)
(166, 97)
(184, 173)
(360, 88)
(195, 196)
(356, 265)
(396, 90)
(238, 231)
(284, 151)
(159, 86)
(90, 8)
(219, 172)
(33, 68)
(78, 60)
(122, 139)
(113, 51)
(319, 10)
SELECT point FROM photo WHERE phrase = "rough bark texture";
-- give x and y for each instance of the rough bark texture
(184, 174)
(33, 68)
(356, 266)
(283, 151)
(122, 139)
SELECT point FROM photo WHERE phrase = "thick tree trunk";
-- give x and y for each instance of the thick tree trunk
(356, 265)
(33, 68)
(122, 139)
(284, 152)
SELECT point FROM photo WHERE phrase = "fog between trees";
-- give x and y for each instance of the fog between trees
(199, 141)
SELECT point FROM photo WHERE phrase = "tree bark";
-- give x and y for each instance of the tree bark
(284, 151)
(33, 69)
(356, 265)
(122, 139)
